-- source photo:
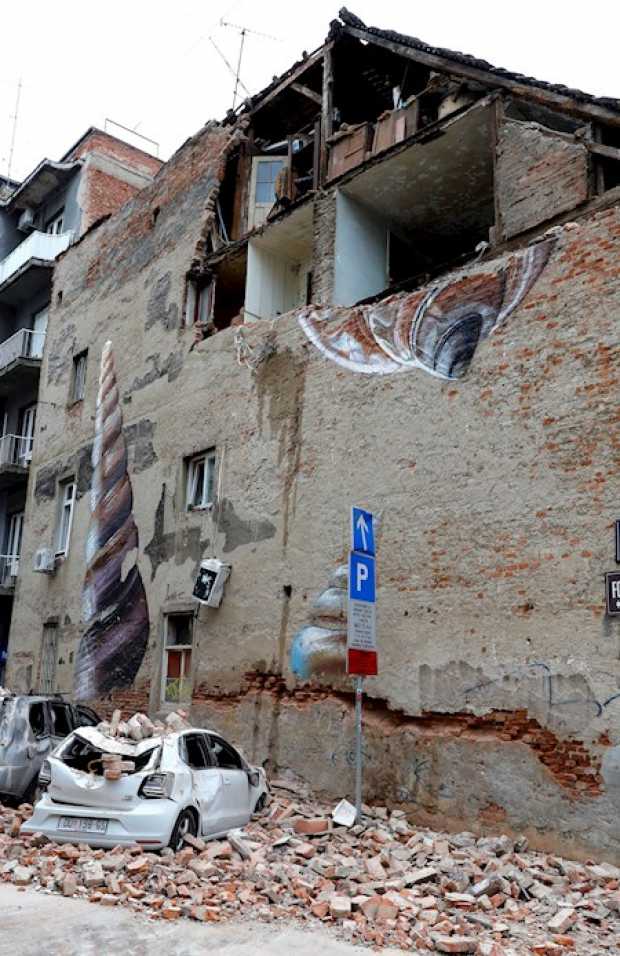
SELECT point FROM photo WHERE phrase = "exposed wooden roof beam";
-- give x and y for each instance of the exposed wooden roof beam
(306, 91)
(565, 103)
(291, 78)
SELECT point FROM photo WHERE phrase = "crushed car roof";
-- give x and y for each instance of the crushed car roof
(131, 748)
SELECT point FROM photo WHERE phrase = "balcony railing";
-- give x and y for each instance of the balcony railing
(24, 344)
(9, 569)
(38, 245)
(16, 450)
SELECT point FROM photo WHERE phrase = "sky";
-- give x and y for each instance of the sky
(153, 66)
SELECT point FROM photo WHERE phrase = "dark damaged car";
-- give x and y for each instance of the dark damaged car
(30, 728)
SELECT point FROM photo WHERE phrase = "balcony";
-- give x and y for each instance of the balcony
(20, 360)
(15, 458)
(27, 267)
(9, 569)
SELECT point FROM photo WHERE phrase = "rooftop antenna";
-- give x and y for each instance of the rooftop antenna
(243, 31)
(133, 131)
(14, 131)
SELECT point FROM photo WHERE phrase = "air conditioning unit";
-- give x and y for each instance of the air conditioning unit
(209, 586)
(44, 561)
(25, 223)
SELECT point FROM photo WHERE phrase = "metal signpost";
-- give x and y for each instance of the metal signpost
(361, 628)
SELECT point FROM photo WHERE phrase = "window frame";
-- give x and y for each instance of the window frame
(199, 300)
(186, 651)
(209, 457)
(80, 361)
(52, 225)
(64, 503)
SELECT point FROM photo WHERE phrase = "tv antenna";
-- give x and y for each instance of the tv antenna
(14, 130)
(243, 32)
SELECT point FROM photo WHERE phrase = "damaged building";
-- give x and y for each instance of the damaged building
(39, 219)
(390, 279)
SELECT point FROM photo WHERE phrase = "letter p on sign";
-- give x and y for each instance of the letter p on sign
(362, 577)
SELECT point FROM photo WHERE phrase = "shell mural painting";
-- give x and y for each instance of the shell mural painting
(436, 328)
(115, 608)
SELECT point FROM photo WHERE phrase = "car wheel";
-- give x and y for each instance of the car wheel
(186, 823)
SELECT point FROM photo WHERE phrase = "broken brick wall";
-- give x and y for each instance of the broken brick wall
(499, 671)
(538, 176)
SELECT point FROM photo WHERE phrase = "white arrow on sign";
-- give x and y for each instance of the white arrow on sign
(363, 528)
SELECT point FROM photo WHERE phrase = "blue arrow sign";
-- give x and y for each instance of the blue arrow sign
(362, 527)
(361, 577)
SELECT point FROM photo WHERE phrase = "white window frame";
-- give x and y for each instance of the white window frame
(185, 678)
(67, 490)
(79, 376)
(55, 225)
(207, 492)
(199, 301)
(257, 213)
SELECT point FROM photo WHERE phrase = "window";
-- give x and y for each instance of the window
(62, 723)
(85, 717)
(199, 302)
(79, 376)
(36, 719)
(226, 756)
(23, 450)
(200, 481)
(65, 517)
(178, 638)
(196, 753)
(263, 187)
(37, 333)
(55, 224)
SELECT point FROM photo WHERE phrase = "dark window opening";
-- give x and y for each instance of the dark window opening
(225, 757)
(62, 723)
(78, 380)
(608, 169)
(36, 718)
(196, 752)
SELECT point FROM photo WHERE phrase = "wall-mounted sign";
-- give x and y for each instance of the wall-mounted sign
(612, 592)
(618, 541)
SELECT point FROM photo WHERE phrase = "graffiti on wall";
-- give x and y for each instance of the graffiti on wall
(437, 328)
(320, 646)
(114, 600)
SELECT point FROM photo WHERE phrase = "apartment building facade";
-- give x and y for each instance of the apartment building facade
(39, 219)
(389, 280)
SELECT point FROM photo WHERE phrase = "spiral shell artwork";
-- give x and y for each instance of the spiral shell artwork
(114, 600)
(320, 648)
(437, 328)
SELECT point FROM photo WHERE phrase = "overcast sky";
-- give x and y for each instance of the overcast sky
(151, 65)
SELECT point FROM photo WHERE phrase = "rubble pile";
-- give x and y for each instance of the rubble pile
(385, 882)
(140, 727)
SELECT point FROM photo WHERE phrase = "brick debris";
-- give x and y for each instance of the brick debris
(383, 882)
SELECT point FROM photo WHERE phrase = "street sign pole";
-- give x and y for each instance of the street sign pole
(358, 748)
(361, 638)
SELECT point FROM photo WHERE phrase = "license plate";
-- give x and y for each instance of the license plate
(83, 824)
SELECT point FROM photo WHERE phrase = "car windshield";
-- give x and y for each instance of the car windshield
(79, 754)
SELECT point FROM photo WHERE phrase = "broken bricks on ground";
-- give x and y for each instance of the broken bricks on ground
(385, 882)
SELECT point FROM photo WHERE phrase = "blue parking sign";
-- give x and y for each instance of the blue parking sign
(361, 577)
(363, 533)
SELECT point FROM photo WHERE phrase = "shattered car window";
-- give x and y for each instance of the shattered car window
(80, 755)
(61, 720)
(226, 757)
(36, 719)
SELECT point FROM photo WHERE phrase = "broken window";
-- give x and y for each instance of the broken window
(178, 640)
(199, 300)
(78, 381)
(226, 756)
(200, 481)
(36, 718)
(62, 721)
(65, 517)
(195, 752)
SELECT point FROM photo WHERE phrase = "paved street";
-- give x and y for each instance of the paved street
(33, 924)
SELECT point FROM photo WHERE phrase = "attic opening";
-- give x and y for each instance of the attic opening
(608, 167)
(401, 220)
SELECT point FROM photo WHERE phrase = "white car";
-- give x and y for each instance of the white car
(186, 782)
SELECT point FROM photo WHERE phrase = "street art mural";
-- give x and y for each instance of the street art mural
(114, 600)
(437, 328)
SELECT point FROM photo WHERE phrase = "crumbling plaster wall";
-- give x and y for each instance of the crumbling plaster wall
(497, 496)
(538, 176)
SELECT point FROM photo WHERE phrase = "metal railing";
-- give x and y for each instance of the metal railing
(9, 569)
(24, 344)
(38, 245)
(16, 450)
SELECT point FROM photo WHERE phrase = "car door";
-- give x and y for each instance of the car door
(234, 778)
(207, 783)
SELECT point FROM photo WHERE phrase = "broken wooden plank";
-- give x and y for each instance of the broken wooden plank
(306, 91)
(326, 108)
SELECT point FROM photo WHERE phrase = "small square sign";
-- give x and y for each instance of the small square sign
(612, 592)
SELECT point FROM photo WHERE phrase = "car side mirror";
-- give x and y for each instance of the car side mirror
(254, 778)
